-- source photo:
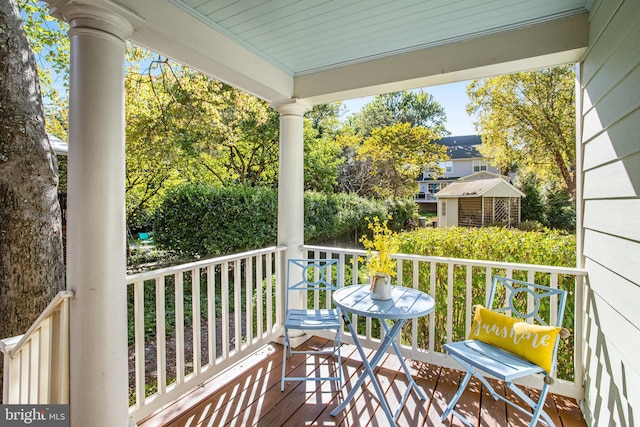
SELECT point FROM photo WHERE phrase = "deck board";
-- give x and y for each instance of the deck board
(250, 395)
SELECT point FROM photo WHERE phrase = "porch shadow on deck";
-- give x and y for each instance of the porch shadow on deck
(249, 395)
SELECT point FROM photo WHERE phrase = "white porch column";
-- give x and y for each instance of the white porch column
(96, 270)
(291, 176)
(291, 192)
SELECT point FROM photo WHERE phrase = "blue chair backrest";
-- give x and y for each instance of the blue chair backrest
(311, 275)
(527, 301)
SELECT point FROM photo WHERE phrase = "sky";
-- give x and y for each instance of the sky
(453, 97)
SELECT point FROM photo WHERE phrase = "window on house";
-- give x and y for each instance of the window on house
(479, 165)
(443, 209)
(446, 166)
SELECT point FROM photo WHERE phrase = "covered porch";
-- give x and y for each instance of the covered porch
(286, 59)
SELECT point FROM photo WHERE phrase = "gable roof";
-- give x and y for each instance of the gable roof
(462, 147)
(482, 175)
(490, 187)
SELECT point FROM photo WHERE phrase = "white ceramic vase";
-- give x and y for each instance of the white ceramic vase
(381, 287)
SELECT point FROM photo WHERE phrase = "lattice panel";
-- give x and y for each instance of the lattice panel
(500, 209)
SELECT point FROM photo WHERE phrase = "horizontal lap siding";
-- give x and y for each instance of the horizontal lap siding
(610, 81)
(601, 149)
(617, 217)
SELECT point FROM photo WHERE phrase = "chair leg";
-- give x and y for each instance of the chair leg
(457, 395)
(539, 412)
(536, 407)
(284, 358)
(336, 349)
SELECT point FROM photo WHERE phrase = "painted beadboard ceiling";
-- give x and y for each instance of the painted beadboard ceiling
(306, 36)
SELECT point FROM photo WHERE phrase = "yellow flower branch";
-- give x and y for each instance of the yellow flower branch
(380, 247)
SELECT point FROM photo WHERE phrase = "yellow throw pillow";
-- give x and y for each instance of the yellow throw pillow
(532, 342)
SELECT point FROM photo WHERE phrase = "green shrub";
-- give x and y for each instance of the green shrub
(532, 207)
(547, 247)
(402, 211)
(320, 216)
(560, 209)
(548, 203)
(197, 221)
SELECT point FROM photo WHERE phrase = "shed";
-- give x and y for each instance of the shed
(479, 203)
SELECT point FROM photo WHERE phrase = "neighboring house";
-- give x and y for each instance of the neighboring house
(479, 203)
(60, 147)
(464, 159)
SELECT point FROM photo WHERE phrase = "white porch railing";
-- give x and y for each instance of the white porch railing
(189, 322)
(457, 285)
(36, 364)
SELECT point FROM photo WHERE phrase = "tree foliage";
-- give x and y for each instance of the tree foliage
(321, 158)
(183, 126)
(354, 173)
(528, 119)
(50, 45)
(324, 118)
(232, 135)
(397, 154)
(417, 108)
(378, 162)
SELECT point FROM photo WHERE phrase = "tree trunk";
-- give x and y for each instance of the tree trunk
(31, 254)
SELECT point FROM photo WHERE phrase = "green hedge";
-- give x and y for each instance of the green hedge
(546, 247)
(197, 220)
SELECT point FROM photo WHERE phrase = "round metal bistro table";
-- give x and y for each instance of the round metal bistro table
(405, 304)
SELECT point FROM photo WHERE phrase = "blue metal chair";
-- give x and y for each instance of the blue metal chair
(512, 340)
(312, 278)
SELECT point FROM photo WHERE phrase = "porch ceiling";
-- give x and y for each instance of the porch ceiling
(325, 50)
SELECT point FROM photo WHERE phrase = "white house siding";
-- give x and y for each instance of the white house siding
(610, 91)
(461, 168)
(464, 167)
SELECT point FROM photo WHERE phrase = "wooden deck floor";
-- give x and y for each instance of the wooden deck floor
(249, 395)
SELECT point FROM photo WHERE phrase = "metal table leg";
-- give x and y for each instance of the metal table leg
(370, 366)
(412, 384)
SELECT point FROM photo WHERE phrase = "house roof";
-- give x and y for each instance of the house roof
(324, 51)
(462, 147)
(482, 175)
(494, 187)
(60, 147)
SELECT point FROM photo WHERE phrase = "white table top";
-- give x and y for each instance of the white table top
(405, 303)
